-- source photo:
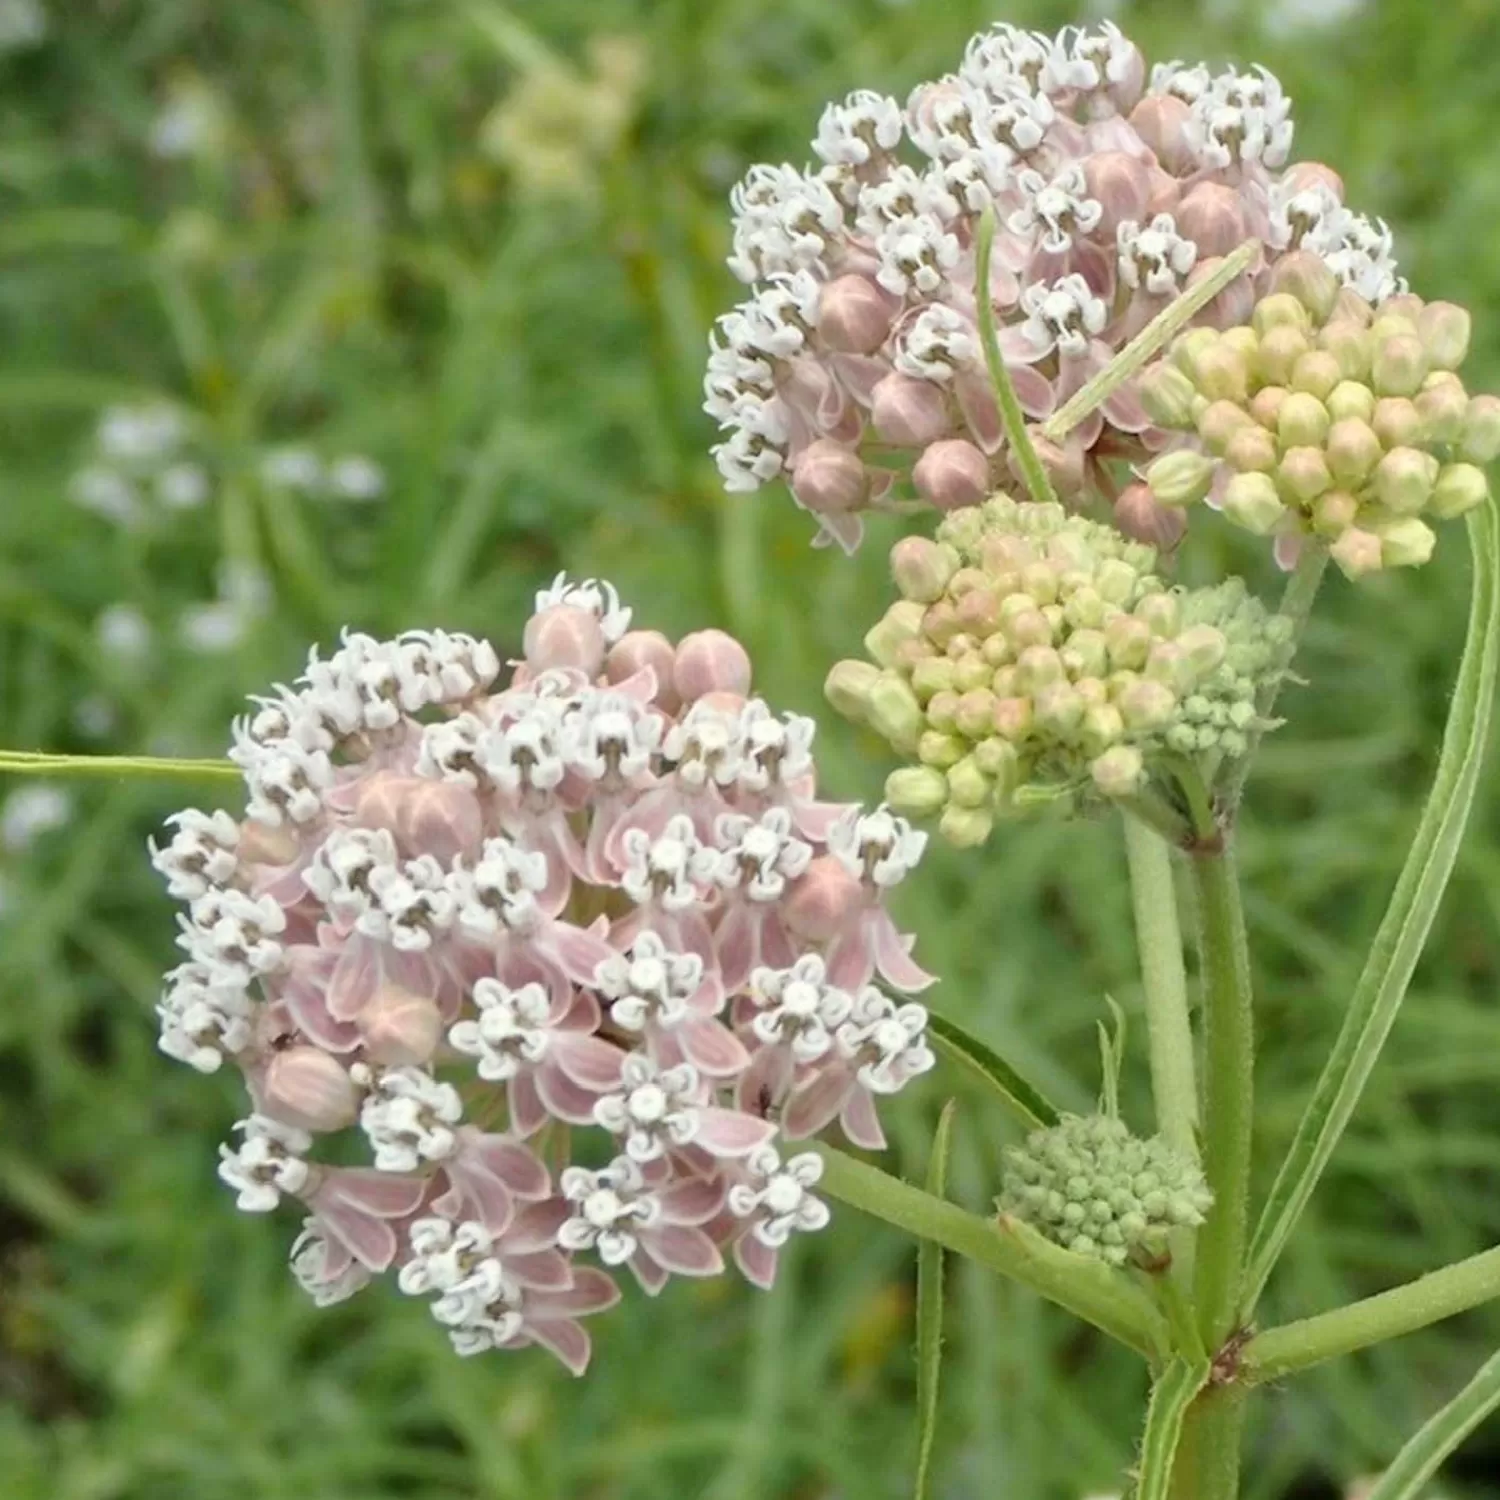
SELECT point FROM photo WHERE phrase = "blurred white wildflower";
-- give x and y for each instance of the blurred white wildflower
(183, 486)
(95, 716)
(23, 25)
(191, 123)
(31, 811)
(244, 596)
(355, 477)
(292, 469)
(107, 494)
(123, 632)
(137, 434)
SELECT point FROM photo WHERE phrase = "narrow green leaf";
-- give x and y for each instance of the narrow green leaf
(1421, 1458)
(1027, 1103)
(45, 763)
(1171, 1396)
(1407, 922)
(930, 1309)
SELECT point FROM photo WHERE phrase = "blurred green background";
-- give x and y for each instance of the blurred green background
(426, 285)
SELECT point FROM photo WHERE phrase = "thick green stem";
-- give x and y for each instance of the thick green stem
(1429, 1299)
(1229, 1049)
(1208, 1456)
(1107, 1299)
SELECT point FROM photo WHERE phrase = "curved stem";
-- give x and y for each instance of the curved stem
(44, 763)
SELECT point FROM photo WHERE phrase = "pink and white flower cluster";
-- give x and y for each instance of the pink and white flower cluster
(458, 918)
(856, 358)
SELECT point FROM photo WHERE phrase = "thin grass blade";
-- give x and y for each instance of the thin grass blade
(1421, 1458)
(1026, 1102)
(930, 1310)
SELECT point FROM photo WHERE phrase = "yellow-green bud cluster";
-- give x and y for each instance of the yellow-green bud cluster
(1090, 1186)
(1327, 417)
(1034, 649)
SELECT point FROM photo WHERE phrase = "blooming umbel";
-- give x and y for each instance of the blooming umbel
(1114, 191)
(1036, 649)
(602, 896)
(1324, 417)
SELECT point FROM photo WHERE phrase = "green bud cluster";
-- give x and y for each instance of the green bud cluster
(1036, 650)
(1090, 1186)
(1330, 418)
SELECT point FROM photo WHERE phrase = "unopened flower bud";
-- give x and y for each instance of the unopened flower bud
(935, 748)
(1232, 305)
(1399, 365)
(1353, 451)
(1443, 328)
(1147, 704)
(1404, 479)
(1307, 277)
(1063, 462)
(1350, 347)
(1161, 121)
(1265, 405)
(1128, 640)
(1143, 518)
(909, 411)
(968, 786)
(1212, 216)
(1397, 422)
(1036, 667)
(966, 827)
(848, 685)
(1180, 478)
(1357, 553)
(1168, 396)
(1203, 649)
(922, 568)
(1479, 442)
(1351, 399)
(932, 675)
(1119, 772)
(1302, 421)
(1280, 349)
(1459, 488)
(951, 473)
(1317, 373)
(892, 710)
(1103, 725)
(399, 1028)
(830, 479)
(261, 844)
(1406, 543)
(1219, 421)
(1333, 512)
(710, 661)
(1001, 762)
(306, 1087)
(917, 791)
(1121, 184)
(1189, 347)
(823, 900)
(564, 635)
(1059, 710)
(1251, 501)
(1280, 310)
(1352, 308)
(1222, 373)
(942, 710)
(855, 315)
(638, 650)
(1160, 612)
(1251, 449)
(901, 623)
(1441, 403)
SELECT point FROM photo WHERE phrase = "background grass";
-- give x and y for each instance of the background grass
(366, 262)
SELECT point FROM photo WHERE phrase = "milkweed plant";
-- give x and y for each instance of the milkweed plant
(552, 975)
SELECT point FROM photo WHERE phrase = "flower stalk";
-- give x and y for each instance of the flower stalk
(46, 763)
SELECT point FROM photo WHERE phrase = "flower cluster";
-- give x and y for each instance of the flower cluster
(1032, 648)
(142, 464)
(1092, 1187)
(603, 895)
(1113, 192)
(1325, 417)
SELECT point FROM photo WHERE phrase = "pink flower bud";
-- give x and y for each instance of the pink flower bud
(260, 844)
(909, 411)
(1302, 176)
(828, 478)
(1444, 329)
(855, 314)
(1480, 439)
(1121, 184)
(564, 635)
(922, 568)
(1143, 519)
(710, 661)
(1064, 463)
(427, 817)
(952, 473)
(1212, 216)
(637, 650)
(400, 1029)
(823, 902)
(308, 1088)
(1357, 553)
(1307, 277)
(1234, 304)
(1161, 120)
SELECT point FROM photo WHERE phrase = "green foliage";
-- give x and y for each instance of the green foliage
(375, 265)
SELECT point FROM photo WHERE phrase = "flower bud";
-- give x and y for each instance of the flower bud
(1352, 308)
(952, 473)
(1251, 501)
(1212, 216)
(261, 844)
(1307, 277)
(1233, 305)
(1280, 349)
(1397, 422)
(968, 786)
(1180, 478)
(917, 791)
(1063, 463)
(934, 674)
(1441, 403)
(901, 623)
(1219, 421)
(941, 750)
(1316, 373)
(1479, 442)
(1357, 553)
(848, 685)
(823, 901)
(829, 479)
(892, 710)
(1120, 184)
(1406, 543)
(1399, 365)
(1303, 176)
(1168, 396)
(1404, 479)
(909, 411)
(1161, 122)
(637, 650)
(564, 635)
(1252, 448)
(1119, 772)
(1146, 704)
(1280, 310)
(1128, 641)
(1142, 518)
(1188, 347)
(1203, 648)
(1012, 716)
(400, 1028)
(1103, 725)
(1459, 488)
(855, 315)
(942, 710)
(710, 661)
(306, 1087)
(974, 715)
(1333, 512)
(1265, 405)
(1350, 347)
(966, 827)
(1059, 710)
(922, 568)
(1302, 421)
(1222, 373)
(1353, 451)
(1001, 762)
(1351, 399)
(1443, 328)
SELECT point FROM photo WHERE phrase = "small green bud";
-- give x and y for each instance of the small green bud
(970, 672)
(974, 715)
(1459, 488)
(1479, 442)
(1119, 772)
(1334, 512)
(1217, 424)
(847, 687)
(1036, 667)
(900, 623)
(1103, 725)
(1306, 277)
(1357, 553)
(1222, 373)
(934, 674)
(1012, 717)
(1441, 403)
(917, 791)
(1351, 399)
(1189, 347)
(1399, 365)
(1147, 704)
(1406, 543)
(968, 786)
(1085, 610)
(1029, 628)
(1251, 450)
(1059, 710)
(965, 827)
(1316, 374)
(1404, 479)
(893, 711)
(978, 612)
(1397, 422)
(1086, 653)
(1160, 611)
(1251, 501)
(1129, 642)
(935, 748)
(1353, 451)
(1279, 310)
(1302, 421)
(1001, 763)
(1279, 353)
(1116, 581)
(1303, 475)
(942, 711)
(1168, 396)
(1203, 648)
(1443, 328)
(922, 568)
(1180, 478)
(1265, 405)
(1350, 347)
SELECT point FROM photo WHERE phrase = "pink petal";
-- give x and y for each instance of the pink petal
(860, 1122)
(851, 960)
(859, 374)
(1033, 391)
(371, 1241)
(816, 1102)
(893, 955)
(756, 1259)
(538, 1270)
(387, 1195)
(764, 1083)
(589, 1061)
(527, 1112)
(977, 402)
(513, 1164)
(563, 1098)
(356, 977)
(736, 945)
(306, 1000)
(579, 952)
(682, 1250)
(729, 1132)
(1287, 549)
(476, 1195)
(712, 1047)
(535, 1227)
(652, 1277)
(592, 1291)
(693, 1200)
(566, 1340)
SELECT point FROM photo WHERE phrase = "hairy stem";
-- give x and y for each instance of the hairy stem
(1429, 1299)
(44, 763)
(1208, 1456)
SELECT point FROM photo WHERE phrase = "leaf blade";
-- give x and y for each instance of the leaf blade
(1171, 1396)
(1423, 1455)
(930, 1310)
(978, 1058)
